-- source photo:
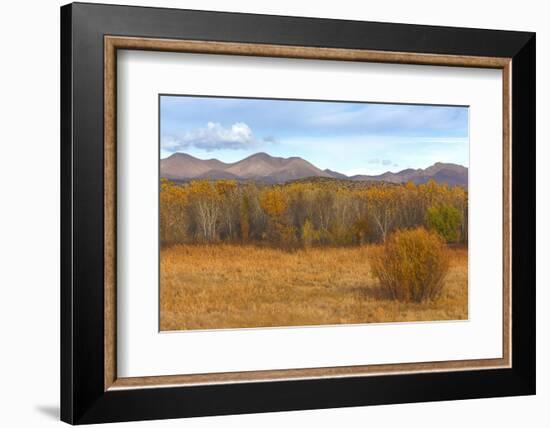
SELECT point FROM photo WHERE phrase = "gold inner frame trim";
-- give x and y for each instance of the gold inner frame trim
(113, 43)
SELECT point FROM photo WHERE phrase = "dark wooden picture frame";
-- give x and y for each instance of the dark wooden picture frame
(90, 37)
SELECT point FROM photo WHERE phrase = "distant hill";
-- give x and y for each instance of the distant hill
(258, 167)
(450, 173)
(270, 169)
(335, 174)
(182, 166)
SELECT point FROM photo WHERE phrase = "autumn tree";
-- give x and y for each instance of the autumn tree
(274, 204)
(309, 234)
(360, 229)
(446, 220)
(460, 202)
(207, 203)
(382, 206)
(173, 213)
(411, 208)
(307, 212)
(324, 211)
(245, 218)
(227, 191)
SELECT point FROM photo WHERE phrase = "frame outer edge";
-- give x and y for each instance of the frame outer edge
(82, 400)
(66, 147)
(524, 216)
(297, 31)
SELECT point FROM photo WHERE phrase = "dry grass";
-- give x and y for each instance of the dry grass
(232, 286)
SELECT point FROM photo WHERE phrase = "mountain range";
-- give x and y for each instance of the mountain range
(270, 169)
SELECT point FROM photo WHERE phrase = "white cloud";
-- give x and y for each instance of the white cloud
(213, 137)
(377, 161)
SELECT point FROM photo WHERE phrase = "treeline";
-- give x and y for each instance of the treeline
(307, 213)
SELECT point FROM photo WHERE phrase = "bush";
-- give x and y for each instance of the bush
(444, 219)
(412, 265)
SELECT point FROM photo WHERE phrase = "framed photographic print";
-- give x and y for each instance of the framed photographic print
(265, 213)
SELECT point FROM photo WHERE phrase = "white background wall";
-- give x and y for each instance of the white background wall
(29, 213)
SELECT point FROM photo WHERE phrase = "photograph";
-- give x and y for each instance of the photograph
(277, 212)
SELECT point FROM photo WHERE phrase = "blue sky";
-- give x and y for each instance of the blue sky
(348, 137)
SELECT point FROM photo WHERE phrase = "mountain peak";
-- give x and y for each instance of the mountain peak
(180, 155)
(260, 155)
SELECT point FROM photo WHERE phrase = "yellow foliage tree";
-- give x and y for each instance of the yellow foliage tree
(173, 215)
(274, 203)
(382, 205)
(340, 212)
(245, 218)
(206, 199)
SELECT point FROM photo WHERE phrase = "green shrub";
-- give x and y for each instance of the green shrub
(444, 219)
(412, 265)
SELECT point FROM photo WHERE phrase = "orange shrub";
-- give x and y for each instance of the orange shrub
(412, 265)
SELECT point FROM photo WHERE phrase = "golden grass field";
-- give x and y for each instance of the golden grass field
(234, 286)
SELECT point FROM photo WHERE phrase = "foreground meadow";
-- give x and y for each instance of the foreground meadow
(238, 286)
